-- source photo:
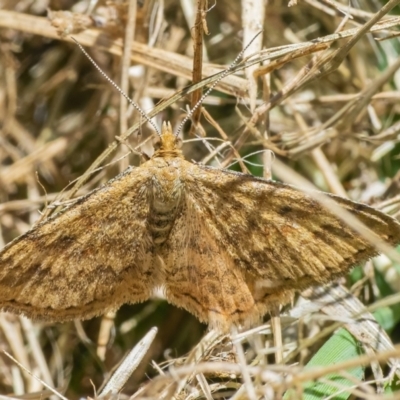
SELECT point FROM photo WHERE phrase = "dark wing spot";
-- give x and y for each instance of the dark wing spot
(65, 242)
(336, 231)
(25, 276)
(285, 210)
(190, 296)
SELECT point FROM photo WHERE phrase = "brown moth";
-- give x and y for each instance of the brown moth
(223, 245)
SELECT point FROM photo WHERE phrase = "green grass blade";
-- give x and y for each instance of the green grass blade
(340, 347)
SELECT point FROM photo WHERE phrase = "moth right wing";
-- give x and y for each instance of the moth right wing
(266, 238)
(92, 257)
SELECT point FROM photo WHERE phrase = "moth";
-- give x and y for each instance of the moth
(225, 246)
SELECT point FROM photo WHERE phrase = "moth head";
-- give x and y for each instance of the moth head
(167, 143)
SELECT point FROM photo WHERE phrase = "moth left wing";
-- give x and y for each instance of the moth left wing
(90, 258)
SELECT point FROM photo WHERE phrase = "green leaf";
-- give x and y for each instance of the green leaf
(340, 347)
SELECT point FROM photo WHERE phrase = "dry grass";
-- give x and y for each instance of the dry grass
(325, 102)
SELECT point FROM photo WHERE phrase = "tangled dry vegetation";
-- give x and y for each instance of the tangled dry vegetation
(315, 101)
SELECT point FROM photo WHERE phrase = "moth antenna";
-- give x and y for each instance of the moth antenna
(136, 106)
(211, 88)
